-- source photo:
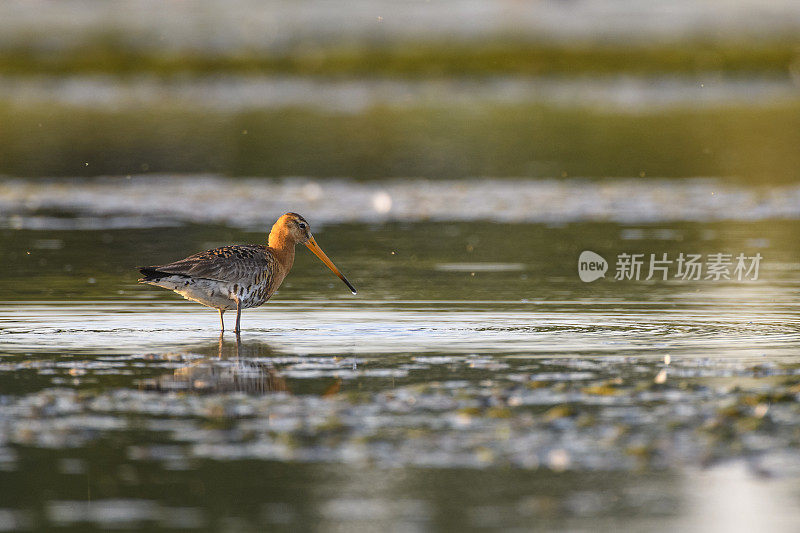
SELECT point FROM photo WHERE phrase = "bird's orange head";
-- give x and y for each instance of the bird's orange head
(292, 229)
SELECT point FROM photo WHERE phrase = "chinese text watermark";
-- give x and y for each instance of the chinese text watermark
(685, 267)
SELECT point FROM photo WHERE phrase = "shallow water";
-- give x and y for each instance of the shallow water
(634, 413)
(627, 94)
(474, 382)
(147, 201)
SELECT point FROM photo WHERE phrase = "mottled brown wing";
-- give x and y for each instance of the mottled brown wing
(236, 264)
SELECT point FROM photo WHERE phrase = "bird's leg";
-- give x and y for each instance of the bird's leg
(221, 322)
(238, 315)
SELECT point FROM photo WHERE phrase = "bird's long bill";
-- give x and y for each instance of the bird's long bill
(314, 247)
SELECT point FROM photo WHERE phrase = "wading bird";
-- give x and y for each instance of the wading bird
(238, 277)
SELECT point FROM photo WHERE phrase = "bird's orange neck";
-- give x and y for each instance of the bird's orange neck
(283, 246)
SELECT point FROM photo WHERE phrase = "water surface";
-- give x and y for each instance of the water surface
(474, 382)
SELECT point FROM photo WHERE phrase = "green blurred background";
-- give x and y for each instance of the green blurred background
(372, 90)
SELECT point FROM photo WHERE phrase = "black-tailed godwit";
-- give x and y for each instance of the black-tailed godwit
(241, 276)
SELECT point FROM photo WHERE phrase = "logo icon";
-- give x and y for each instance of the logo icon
(591, 266)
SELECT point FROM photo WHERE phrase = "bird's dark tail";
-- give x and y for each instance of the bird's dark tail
(151, 274)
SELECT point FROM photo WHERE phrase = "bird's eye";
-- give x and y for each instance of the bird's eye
(302, 226)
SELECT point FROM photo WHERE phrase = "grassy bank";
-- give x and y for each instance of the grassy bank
(107, 54)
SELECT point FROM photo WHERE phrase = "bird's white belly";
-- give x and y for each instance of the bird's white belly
(204, 291)
(216, 294)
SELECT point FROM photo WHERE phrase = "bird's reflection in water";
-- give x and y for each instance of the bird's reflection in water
(223, 367)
